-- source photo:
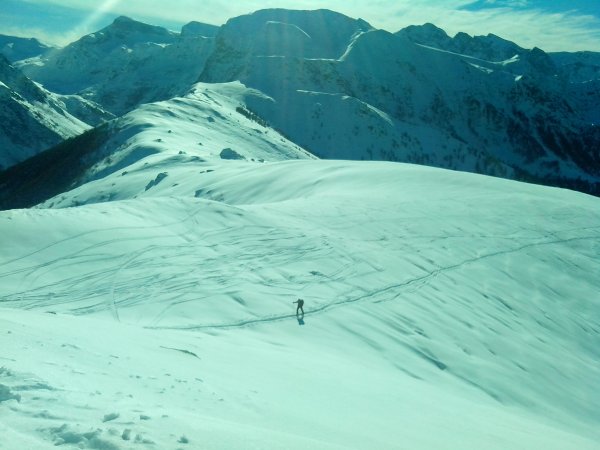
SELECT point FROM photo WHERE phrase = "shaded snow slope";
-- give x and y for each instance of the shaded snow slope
(443, 310)
(33, 119)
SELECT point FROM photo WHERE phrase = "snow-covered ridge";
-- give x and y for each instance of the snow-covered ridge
(211, 123)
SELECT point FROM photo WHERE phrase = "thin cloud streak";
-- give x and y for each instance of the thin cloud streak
(528, 28)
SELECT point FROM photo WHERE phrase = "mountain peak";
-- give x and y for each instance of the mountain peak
(199, 29)
(124, 26)
(123, 20)
(316, 33)
(426, 34)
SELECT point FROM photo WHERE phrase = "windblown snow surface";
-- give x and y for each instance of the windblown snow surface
(444, 310)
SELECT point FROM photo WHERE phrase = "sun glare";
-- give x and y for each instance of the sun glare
(106, 7)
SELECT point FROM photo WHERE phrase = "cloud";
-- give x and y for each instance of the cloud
(508, 3)
(528, 27)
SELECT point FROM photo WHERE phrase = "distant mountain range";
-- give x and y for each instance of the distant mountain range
(341, 89)
(125, 64)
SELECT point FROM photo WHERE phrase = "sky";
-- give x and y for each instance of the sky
(552, 25)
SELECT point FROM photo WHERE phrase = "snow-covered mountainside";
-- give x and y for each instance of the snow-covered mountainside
(151, 305)
(575, 78)
(33, 119)
(210, 123)
(377, 95)
(17, 48)
(344, 90)
(126, 64)
(578, 67)
(582, 70)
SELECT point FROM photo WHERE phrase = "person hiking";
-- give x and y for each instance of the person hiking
(300, 303)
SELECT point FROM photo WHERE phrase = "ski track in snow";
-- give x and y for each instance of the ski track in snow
(247, 250)
(417, 282)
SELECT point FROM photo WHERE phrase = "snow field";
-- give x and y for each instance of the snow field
(442, 310)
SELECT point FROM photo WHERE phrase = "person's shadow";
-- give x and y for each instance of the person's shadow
(300, 318)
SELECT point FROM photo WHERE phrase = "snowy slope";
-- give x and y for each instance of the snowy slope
(438, 315)
(210, 123)
(151, 306)
(125, 64)
(33, 119)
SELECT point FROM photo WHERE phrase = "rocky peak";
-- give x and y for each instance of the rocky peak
(131, 31)
(426, 34)
(199, 29)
